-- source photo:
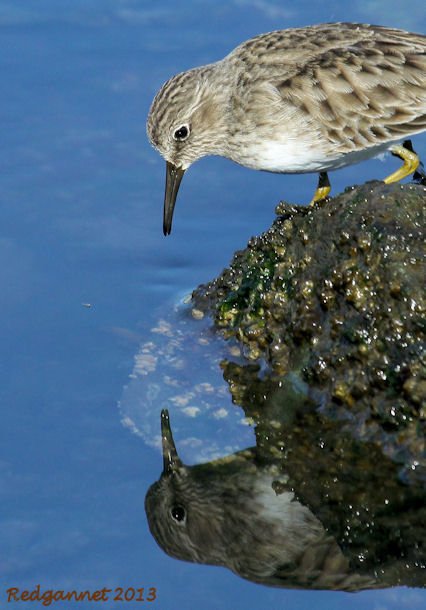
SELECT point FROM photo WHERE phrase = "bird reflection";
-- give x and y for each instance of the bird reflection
(243, 512)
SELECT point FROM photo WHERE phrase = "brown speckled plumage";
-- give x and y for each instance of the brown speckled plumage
(361, 85)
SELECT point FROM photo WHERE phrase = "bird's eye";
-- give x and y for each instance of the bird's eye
(181, 133)
(178, 513)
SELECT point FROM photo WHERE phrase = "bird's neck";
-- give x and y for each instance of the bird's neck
(213, 106)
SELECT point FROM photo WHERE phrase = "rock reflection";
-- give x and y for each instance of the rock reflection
(308, 507)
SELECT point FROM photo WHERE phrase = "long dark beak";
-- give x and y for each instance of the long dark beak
(171, 460)
(174, 176)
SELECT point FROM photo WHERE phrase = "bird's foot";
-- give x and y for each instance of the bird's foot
(323, 189)
(410, 165)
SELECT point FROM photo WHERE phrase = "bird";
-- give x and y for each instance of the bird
(237, 513)
(301, 100)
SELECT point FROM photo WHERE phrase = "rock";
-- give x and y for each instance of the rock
(334, 293)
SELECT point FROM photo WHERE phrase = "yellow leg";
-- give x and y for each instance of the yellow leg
(323, 188)
(411, 163)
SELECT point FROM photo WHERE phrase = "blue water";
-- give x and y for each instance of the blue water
(86, 274)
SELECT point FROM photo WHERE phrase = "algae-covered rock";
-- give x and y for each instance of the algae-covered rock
(334, 293)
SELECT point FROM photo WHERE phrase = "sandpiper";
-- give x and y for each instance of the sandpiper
(301, 100)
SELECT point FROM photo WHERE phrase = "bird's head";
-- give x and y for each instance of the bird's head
(182, 513)
(185, 123)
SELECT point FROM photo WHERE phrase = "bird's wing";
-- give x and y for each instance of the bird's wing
(363, 92)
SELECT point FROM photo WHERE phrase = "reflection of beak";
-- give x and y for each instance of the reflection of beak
(171, 460)
(173, 177)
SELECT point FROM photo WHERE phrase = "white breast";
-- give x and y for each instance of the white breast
(300, 155)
